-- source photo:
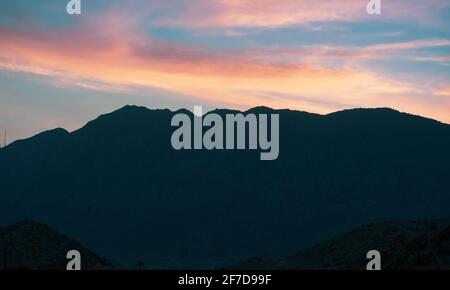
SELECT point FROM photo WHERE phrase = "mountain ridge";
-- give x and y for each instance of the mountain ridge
(117, 183)
(141, 109)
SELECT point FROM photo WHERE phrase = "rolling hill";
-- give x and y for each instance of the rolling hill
(403, 245)
(30, 245)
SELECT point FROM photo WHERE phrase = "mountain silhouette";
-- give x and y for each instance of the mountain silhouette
(406, 245)
(117, 185)
(30, 245)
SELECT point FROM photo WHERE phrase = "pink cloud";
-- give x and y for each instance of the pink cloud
(109, 52)
(274, 13)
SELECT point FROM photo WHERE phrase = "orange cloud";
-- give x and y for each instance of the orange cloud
(114, 55)
(442, 92)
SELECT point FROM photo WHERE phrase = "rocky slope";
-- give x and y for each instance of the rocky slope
(35, 246)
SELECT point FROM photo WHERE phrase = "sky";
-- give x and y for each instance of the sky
(61, 70)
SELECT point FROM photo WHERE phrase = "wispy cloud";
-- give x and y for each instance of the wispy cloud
(273, 13)
(442, 92)
(118, 49)
(113, 62)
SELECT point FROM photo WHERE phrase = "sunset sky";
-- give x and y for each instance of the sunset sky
(58, 70)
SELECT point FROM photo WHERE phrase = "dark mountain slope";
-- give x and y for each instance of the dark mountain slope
(119, 187)
(34, 246)
(402, 245)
